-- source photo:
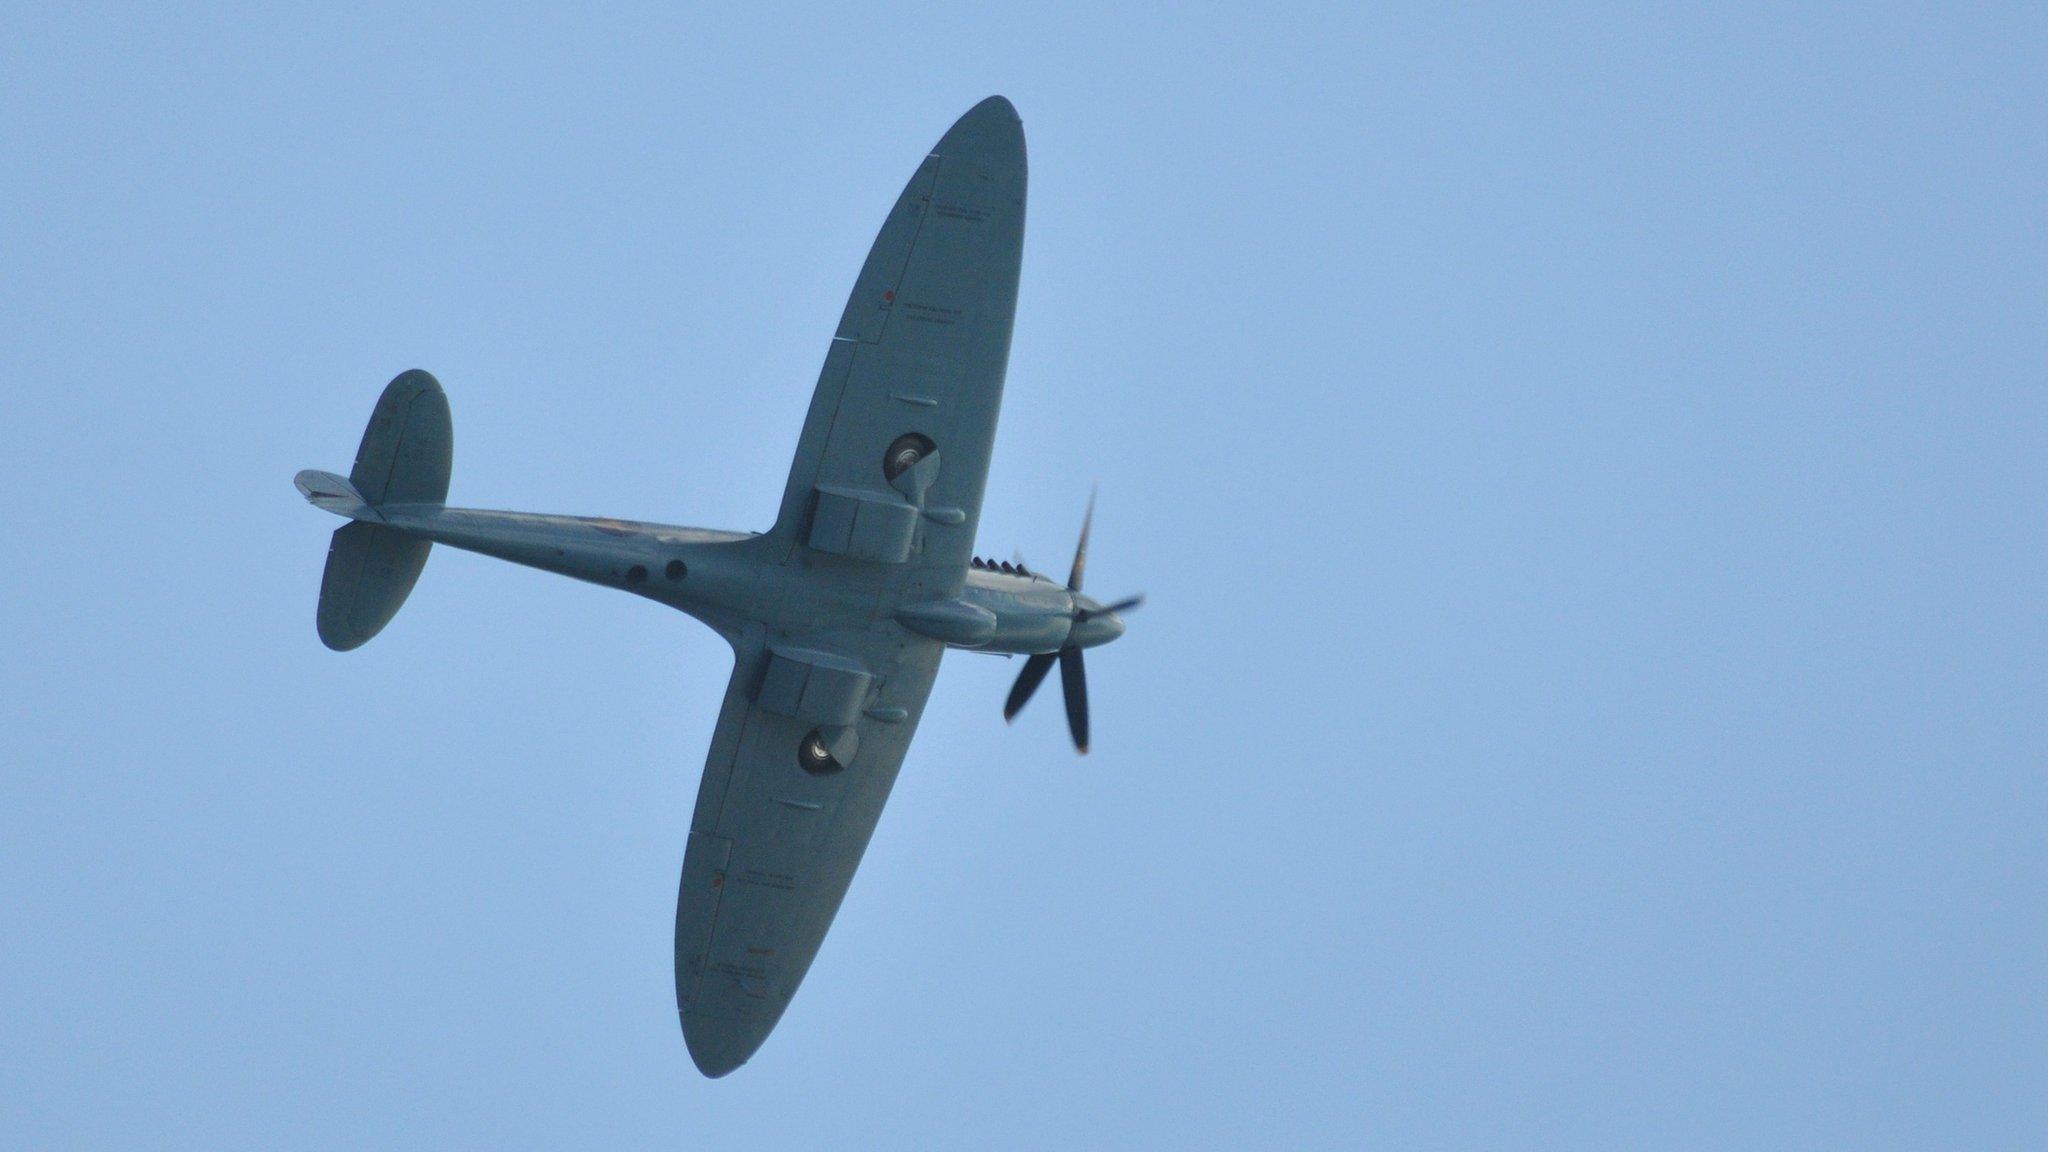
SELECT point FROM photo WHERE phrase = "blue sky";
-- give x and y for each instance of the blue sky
(1587, 469)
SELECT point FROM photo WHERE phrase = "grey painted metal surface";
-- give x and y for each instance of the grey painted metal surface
(405, 457)
(837, 615)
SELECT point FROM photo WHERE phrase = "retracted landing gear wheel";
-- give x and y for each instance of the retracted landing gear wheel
(904, 453)
(813, 757)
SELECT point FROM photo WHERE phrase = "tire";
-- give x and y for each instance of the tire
(904, 453)
(812, 757)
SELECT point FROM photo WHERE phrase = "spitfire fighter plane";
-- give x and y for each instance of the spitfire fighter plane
(837, 615)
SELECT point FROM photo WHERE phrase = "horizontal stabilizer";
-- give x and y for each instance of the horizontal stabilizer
(331, 493)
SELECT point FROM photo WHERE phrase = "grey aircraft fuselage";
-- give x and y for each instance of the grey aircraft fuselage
(715, 576)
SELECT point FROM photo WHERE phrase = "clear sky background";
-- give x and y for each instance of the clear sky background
(1588, 471)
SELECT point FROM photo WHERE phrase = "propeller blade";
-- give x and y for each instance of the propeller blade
(1123, 605)
(1074, 684)
(1027, 682)
(1081, 549)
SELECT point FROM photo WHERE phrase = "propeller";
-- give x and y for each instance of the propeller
(1123, 605)
(1073, 672)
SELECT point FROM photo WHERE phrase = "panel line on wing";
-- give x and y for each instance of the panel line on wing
(887, 304)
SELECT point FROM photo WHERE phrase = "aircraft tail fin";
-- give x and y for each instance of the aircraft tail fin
(405, 458)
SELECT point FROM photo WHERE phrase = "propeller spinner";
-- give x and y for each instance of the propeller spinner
(1093, 624)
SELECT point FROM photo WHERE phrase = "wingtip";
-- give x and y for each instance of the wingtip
(996, 102)
(716, 1052)
(989, 134)
(339, 643)
(717, 1071)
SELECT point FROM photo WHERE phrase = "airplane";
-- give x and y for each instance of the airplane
(837, 615)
